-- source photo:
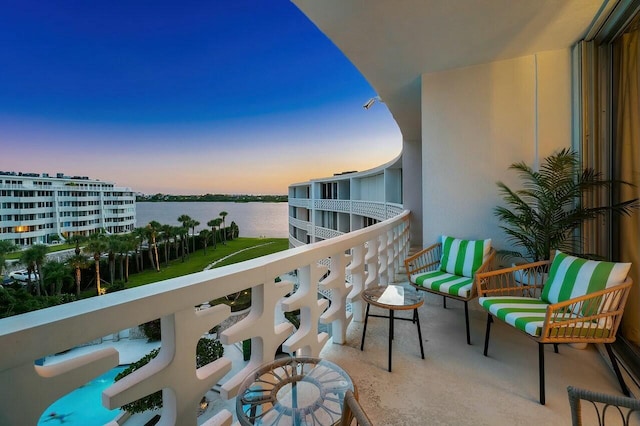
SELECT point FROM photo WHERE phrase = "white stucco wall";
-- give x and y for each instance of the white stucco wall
(478, 120)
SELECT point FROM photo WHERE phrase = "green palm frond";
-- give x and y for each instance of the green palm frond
(551, 205)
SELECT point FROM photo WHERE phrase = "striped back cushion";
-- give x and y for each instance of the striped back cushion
(463, 257)
(572, 276)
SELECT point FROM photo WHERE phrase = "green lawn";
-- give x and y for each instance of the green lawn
(197, 261)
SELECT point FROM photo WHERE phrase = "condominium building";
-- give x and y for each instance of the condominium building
(329, 207)
(35, 207)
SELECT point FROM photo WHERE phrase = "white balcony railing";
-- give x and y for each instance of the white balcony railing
(27, 390)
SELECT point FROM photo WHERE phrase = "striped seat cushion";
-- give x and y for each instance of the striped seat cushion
(463, 257)
(571, 277)
(528, 314)
(444, 283)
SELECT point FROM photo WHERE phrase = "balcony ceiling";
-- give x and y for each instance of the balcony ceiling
(393, 42)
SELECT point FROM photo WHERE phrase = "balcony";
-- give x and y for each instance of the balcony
(454, 384)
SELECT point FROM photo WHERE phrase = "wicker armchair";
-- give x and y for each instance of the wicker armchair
(590, 312)
(429, 262)
(610, 409)
(352, 411)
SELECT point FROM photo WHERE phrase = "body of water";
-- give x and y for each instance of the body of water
(253, 219)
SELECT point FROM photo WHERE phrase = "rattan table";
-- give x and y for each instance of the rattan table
(294, 391)
(394, 298)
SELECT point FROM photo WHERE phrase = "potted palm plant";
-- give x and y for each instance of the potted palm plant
(546, 212)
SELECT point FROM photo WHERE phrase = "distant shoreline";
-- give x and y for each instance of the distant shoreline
(214, 198)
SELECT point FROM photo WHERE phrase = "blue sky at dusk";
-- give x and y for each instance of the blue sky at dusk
(182, 97)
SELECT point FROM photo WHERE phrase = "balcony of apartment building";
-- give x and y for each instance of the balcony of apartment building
(472, 89)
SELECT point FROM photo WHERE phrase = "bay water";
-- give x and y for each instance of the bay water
(253, 219)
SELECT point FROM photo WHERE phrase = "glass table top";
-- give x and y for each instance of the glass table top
(393, 297)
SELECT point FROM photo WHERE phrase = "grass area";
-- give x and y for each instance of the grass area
(52, 249)
(197, 261)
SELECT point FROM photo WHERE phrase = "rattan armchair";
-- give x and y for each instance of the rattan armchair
(516, 296)
(609, 409)
(429, 260)
(352, 411)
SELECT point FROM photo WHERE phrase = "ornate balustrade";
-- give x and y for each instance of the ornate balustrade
(28, 389)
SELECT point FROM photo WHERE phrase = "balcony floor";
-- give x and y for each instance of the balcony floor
(455, 384)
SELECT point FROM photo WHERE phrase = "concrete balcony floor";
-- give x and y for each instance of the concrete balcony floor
(456, 384)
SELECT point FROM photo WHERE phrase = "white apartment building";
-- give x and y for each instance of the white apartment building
(329, 207)
(34, 207)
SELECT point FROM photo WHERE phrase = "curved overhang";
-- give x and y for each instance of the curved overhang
(392, 43)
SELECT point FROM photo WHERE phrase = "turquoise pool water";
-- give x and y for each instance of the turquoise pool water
(82, 406)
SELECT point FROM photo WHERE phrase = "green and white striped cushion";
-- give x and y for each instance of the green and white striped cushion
(572, 276)
(463, 257)
(528, 314)
(444, 283)
(524, 313)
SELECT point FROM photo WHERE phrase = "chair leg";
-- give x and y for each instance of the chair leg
(466, 319)
(541, 371)
(555, 347)
(616, 368)
(364, 332)
(486, 336)
(444, 302)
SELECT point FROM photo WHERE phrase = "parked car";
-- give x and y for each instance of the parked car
(22, 275)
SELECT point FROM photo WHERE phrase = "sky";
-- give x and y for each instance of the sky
(188, 97)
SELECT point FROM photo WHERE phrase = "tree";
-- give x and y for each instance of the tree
(167, 232)
(213, 223)
(34, 257)
(546, 213)
(153, 228)
(130, 243)
(113, 246)
(6, 247)
(223, 215)
(193, 224)
(77, 262)
(139, 235)
(185, 220)
(77, 239)
(205, 234)
(235, 231)
(55, 273)
(177, 237)
(96, 245)
(27, 258)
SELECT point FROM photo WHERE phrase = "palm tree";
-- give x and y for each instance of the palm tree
(129, 243)
(56, 272)
(139, 235)
(39, 257)
(77, 239)
(193, 224)
(185, 220)
(28, 259)
(204, 236)
(177, 237)
(153, 228)
(6, 247)
(214, 224)
(223, 215)
(546, 213)
(113, 243)
(235, 231)
(77, 262)
(96, 245)
(167, 232)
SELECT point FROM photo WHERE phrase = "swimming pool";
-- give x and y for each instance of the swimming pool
(83, 406)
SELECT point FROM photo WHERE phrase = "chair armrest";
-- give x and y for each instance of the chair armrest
(594, 316)
(427, 259)
(504, 282)
(604, 402)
